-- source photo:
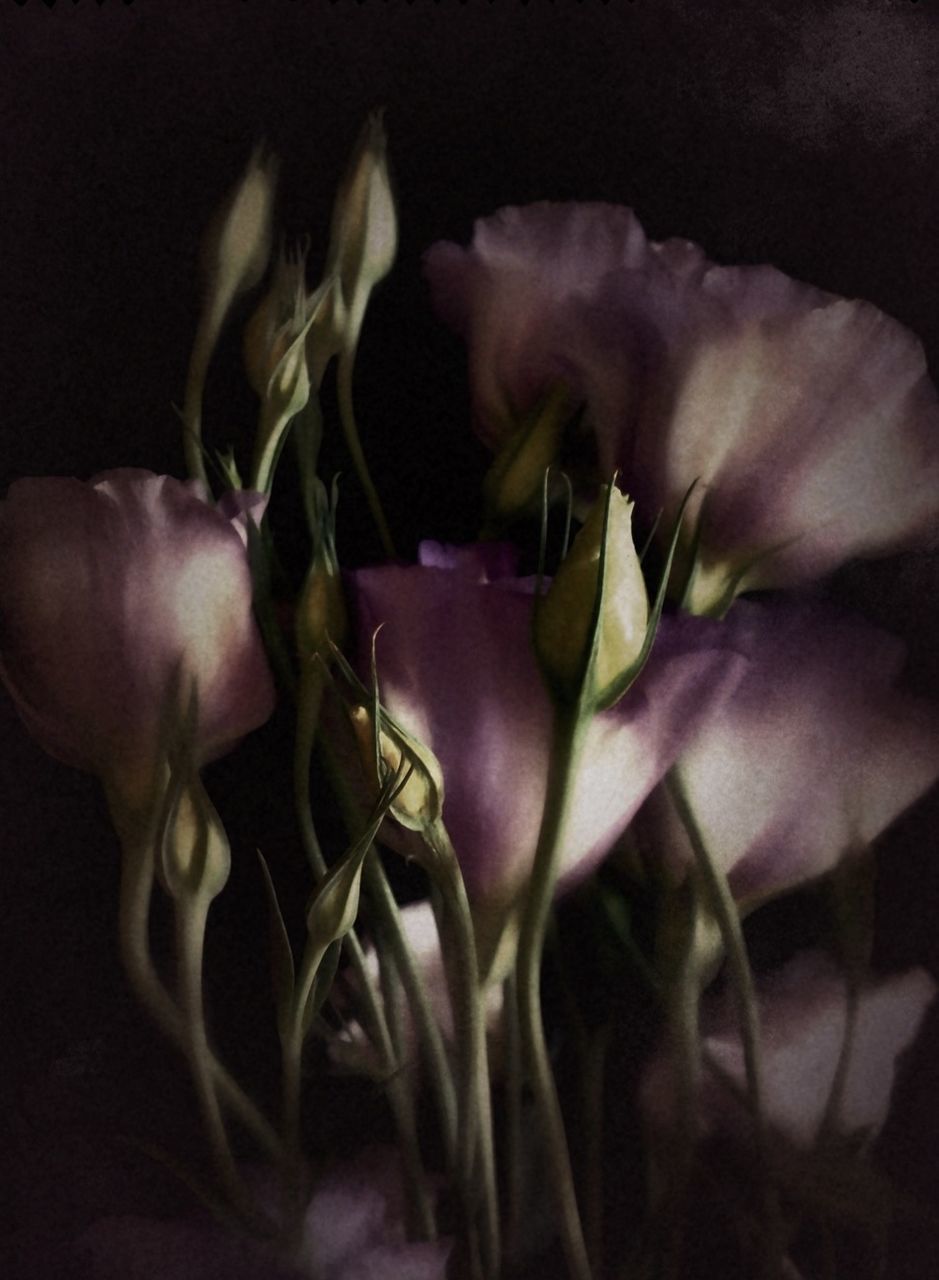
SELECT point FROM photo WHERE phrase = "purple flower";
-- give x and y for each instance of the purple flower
(814, 754)
(353, 1230)
(111, 593)
(808, 420)
(803, 1011)
(457, 669)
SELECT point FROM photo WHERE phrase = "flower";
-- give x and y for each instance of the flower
(813, 755)
(353, 1230)
(113, 595)
(803, 1011)
(809, 421)
(457, 670)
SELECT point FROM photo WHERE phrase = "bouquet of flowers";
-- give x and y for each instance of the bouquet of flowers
(579, 764)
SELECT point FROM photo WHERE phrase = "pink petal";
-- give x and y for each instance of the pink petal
(112, 590)
(456, 666)
(815, 753)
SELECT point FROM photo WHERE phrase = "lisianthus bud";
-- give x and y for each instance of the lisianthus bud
(420, 800)
(238, 243)
(321, 610)
(196, 856)
(364, 233)
(271, 328)
(564, 621)
(515, 477)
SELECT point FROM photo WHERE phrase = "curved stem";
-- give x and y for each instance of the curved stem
(375, 1023)
(133, 917)
(475, 1131)
(347, 416)
(191, 917)
(568, 736)
(209, 327)
(724, 910)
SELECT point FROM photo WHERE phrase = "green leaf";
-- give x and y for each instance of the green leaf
(282, 966)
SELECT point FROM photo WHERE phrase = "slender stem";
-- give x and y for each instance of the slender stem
(191, 917)
(415, 989)
(209, 327)
(513, 1128)
(375, 1023)
(382, 900)
(134, 914)
(567, 740)
(344, 372)
(724, 910)
(475, 1136)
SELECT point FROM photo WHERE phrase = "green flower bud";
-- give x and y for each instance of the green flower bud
(515, 477)
(419, 802)
(195, 854)
(237, 246)
(364, 232)
(564, 619)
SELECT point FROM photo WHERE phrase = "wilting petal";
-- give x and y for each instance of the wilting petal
(109, 593)
(457, 668)
(803, 1017)
(814, 754)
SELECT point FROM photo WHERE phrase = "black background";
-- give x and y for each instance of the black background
(804, 134)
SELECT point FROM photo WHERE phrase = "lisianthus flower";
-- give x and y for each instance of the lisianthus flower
(113, 594)
(457, 669)
(809, 421)
(813, 755)
(803, 1011)
(353, 1230)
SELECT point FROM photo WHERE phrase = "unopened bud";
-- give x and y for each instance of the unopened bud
(564, 619)
(196, 856)
(321, 612)
(238, 244)
(335, 905)
(516, 476)
(364, 232)
(419, 802)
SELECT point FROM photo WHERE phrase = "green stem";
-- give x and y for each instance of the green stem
(513, 1129)
(388, 914)
(133, 919)
(191, 917)
(344, 372)
(209, 327)
(724, 910)
(568, 736)
(375, 1023)
(475, 1137)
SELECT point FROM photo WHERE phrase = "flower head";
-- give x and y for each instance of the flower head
(457, 670)
(113, 594)
(809, 421)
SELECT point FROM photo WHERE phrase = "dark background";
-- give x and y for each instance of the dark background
(804, 134)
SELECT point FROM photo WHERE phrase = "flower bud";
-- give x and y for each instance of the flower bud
(564, 619)
(274, 324)
(238, 244)
(335, 904)
(364, 232)
(196, 856)
(516, 476)
(419, 802)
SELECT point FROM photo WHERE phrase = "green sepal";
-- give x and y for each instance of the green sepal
(322, 985)
(282, 965)
(611, 695)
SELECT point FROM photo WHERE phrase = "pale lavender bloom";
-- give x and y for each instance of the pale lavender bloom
(814, 754)
(353, 1230)
(809, 421)
(114, 592)
(457, 669)
(803, 1013)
